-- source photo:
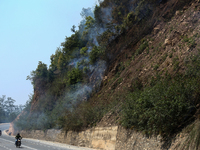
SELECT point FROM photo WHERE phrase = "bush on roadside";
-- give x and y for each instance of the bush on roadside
(162, 108)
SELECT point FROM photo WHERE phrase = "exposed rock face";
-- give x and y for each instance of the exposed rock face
(127, 140)
(11, 130)
(39, 90)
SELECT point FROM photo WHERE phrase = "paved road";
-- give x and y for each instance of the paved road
(7, 143)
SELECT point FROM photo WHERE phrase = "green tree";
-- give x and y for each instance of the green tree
(90, 22)
(94, 55)
(70, 44)
(54, 59)
(75, 76)
(61, 64)
(41, 70)
(9, 111)
(40, 75)
(9, 105)
(98, 16)
(2, 110)
(89, 28)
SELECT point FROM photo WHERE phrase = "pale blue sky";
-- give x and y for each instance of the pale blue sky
(30, 31)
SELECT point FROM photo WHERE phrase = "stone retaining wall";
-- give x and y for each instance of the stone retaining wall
(102, 138)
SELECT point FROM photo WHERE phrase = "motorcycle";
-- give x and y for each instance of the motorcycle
(18, 142)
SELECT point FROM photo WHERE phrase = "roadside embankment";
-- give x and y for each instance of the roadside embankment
(104, 138)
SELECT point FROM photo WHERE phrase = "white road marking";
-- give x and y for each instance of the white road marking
(23, 145)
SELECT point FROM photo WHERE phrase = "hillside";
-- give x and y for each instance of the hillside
(133, 64)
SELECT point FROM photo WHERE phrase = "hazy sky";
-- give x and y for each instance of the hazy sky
(30, 31)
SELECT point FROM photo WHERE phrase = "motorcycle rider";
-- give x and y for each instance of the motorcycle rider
(18, 136)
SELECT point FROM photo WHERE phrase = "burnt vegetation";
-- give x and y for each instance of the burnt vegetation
(106, 56)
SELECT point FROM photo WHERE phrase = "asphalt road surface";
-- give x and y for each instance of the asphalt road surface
(8, 143)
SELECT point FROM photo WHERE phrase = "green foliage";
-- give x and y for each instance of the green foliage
(89, 22)
(130, 19)
(166, 105)
(118, 14)
(41, 71)
(72, 43)
(75, 76)
(9, 111)
(190, 41)
(95, 54)
(175, 63)
(142, 47)
(105, 37)
(98, 16)
(193, 67)
(156, 67)
(137, 84)
(83, 51)
(89, 29)
(81, 117)
(40, 75)
(120, 9)
(54, 59)
(160, 109)
(170, 55)
(62, 62)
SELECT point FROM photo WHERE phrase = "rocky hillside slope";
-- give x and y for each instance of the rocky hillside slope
(151, 85)
(166, 50)
(172, 45)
